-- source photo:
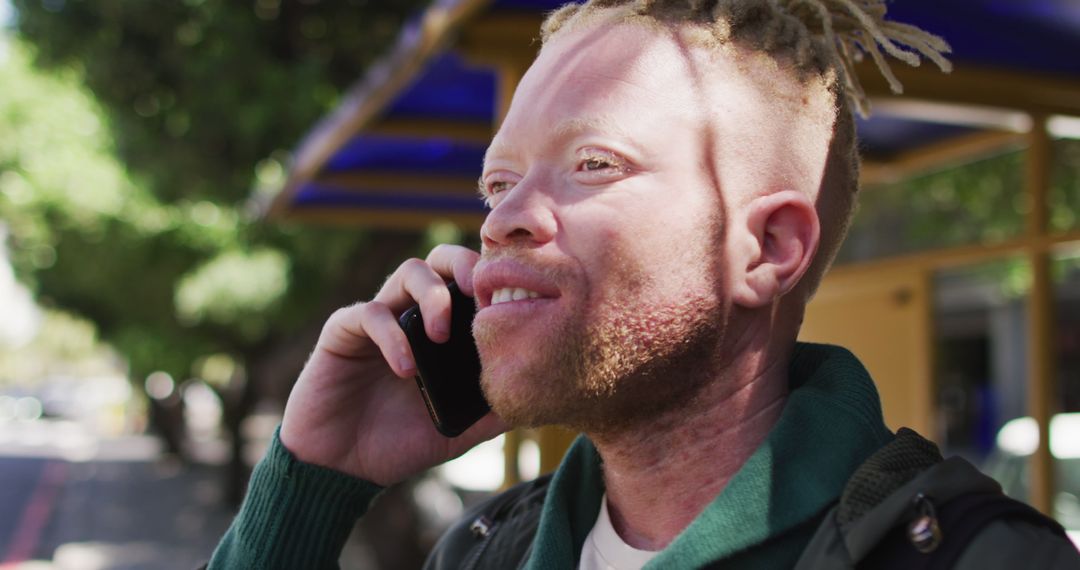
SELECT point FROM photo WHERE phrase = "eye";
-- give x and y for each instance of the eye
(598, 166)
(592, 164)
(494, 184)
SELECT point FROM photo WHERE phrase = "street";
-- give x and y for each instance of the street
(74, 501)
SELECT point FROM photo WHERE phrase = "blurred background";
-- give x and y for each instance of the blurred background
(150, 322)
(189, 188)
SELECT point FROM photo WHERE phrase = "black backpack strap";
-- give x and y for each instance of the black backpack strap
(959, 521)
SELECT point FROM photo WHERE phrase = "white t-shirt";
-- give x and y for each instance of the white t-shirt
(604, 549)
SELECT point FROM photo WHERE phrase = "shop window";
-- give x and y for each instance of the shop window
(980, 321)
(977, 203)
(1065, 186)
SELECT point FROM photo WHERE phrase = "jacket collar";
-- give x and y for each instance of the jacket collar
(832, 421)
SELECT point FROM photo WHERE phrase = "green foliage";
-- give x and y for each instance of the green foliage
(132, 136)
(235, 287)
(1065, 186)
(56, 163)
(65, 346)
(981, 202)
(216, 369)
(200, 91)
(978, 203)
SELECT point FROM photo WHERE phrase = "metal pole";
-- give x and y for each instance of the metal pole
(1042, 389)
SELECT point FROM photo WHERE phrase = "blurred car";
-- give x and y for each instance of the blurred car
(1017, 440)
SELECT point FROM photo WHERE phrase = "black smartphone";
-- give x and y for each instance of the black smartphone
(448, 374)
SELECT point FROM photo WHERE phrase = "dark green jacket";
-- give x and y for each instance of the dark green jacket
(876, 501)
(784, 498)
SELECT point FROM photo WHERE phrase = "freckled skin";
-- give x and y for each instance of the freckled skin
(620, 357)
(637, 260)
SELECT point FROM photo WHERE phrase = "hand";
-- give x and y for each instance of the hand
(355, 407)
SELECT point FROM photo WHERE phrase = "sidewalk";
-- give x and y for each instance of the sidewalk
(115, 504)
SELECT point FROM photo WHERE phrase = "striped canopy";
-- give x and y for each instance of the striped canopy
(405, 147)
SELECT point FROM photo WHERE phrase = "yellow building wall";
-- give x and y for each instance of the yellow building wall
(884, 317)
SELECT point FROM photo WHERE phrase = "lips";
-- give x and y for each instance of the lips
(503, 281)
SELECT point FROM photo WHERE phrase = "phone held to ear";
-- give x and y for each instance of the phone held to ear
(448, 374)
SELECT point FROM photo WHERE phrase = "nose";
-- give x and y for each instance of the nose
(523, 216)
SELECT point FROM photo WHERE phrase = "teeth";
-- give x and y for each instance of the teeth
(508, 294)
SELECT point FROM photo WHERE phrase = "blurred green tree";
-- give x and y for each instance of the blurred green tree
(129, 162)
(980, 202)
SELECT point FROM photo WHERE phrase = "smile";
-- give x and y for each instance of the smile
(507, 294)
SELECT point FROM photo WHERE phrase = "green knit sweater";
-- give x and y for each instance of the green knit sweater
(298, 515)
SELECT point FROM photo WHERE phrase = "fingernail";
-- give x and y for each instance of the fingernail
(405, 364)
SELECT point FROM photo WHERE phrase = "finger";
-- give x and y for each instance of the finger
(349, 330)
(484, 429)
(416, 281)
(491, 425)
(457, 262)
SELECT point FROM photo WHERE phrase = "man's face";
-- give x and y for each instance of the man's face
(607, 220)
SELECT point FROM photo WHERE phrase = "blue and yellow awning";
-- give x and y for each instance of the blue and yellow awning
(405, 147)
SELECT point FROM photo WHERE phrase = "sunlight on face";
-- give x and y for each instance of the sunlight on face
(602, 192)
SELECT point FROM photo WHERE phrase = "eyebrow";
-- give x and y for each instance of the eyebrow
(599, 123)
(569, 129)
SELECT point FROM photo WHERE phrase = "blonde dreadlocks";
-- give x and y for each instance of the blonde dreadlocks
(821, 39)
(817, 35)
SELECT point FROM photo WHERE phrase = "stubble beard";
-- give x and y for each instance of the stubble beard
(612, 364)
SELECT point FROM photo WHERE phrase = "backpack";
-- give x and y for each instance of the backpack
(908, 508)
(937, 536)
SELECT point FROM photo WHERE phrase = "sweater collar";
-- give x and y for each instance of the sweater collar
(830, 424)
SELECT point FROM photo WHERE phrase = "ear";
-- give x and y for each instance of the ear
(780, 237)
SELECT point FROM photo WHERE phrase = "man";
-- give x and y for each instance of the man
(666, 191)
